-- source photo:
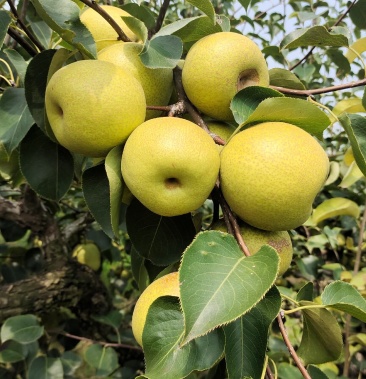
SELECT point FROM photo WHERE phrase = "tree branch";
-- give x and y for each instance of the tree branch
(22, 42)
(160, 19)
(121, 34)
(291, 349)
(24, 27)
(317, 91)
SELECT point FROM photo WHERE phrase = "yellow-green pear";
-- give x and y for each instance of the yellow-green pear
(170, 165)
(88, 254)
(255, 238)
(93, 106)
(270, 174)
(217, 67)
(157, 83)
(103, 33)
(167, 285)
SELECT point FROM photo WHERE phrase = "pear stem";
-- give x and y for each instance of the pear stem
(121, 34)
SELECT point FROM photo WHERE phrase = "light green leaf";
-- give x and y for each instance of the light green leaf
(137, 27)
(355, 127)
(162, 52)
(298, 112)
(247, 100)
(334, 171)
(103, 359)
(5, 21)
(162, 240)
(246, 338)
(163, 331)
(224, 22)
(285, 78)
(18, 62)
(46, 368)
(313, 36)
(40, 29)
(353, 105)
(23, 329)
(344, 297)
(352, 175)
(62, 16)
(321, 340)
(47, 166)
(210, 296)
(358, 46)
(15, 119)
(337, 206)
(205, 6)
(12, 351)
(116, 185)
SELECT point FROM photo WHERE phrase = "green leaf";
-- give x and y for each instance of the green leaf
(116, 185)
(358, 14)
(46, 368)
(246, 338)
(205, 6)
(287, 371)
(322, 336)
(352, 175)
(114, 319)
(298, 112)
(344, 297)
(12, 351)
(353, 105)
(247, 100)
(103, 359)
(162, 52)
(35, 85)
(306, 292)
(355, 127)
(210, 296)
(162, 240)
(97, 196)
(358, 46)
(5, 21)
(70, 362)
(137, 27)
(316, 373)
(337, 206)
(47, 166)
(285, 78)
(23, 329)
(139, 270)
(313, 36)
(163, 331)
(245, 3)
(18, 62)
(142, 12)
(40, 29)
(62, 16)
(334, 171)
(15, 119)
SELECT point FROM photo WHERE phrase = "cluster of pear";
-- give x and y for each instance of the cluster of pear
(269, 173)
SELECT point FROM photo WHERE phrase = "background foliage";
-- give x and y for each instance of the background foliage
(51, 200)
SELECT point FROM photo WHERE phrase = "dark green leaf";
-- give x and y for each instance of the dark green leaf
(46, 368)
(358, 14)
(47, 166)
(247, 100)
(23, 329)
(322, 336)
(70, 362)
(355, 127)
(35, 85)
(5, 21)
(316, 373)
(18, 62)
(142, 12)
(15, 119)
(97, 196)
(314, 36)
(41, 30)
(246, 338)
(344, 297)
(159, 239)
(214, 274)
(205, 6)
(284, 78)
(139, 271)
(114, 319)
(163, 331)
(103, 359)
(162, 52)
(12, 351)
(245, 3)
(62, 16)
(306, 292)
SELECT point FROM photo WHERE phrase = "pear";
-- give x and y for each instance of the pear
(88, 254)
(103, 33)
(170, 165)
(270, 174)
(93, 106)
(167, 285)
(157, 83)
(217, 67)
(255, 238)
